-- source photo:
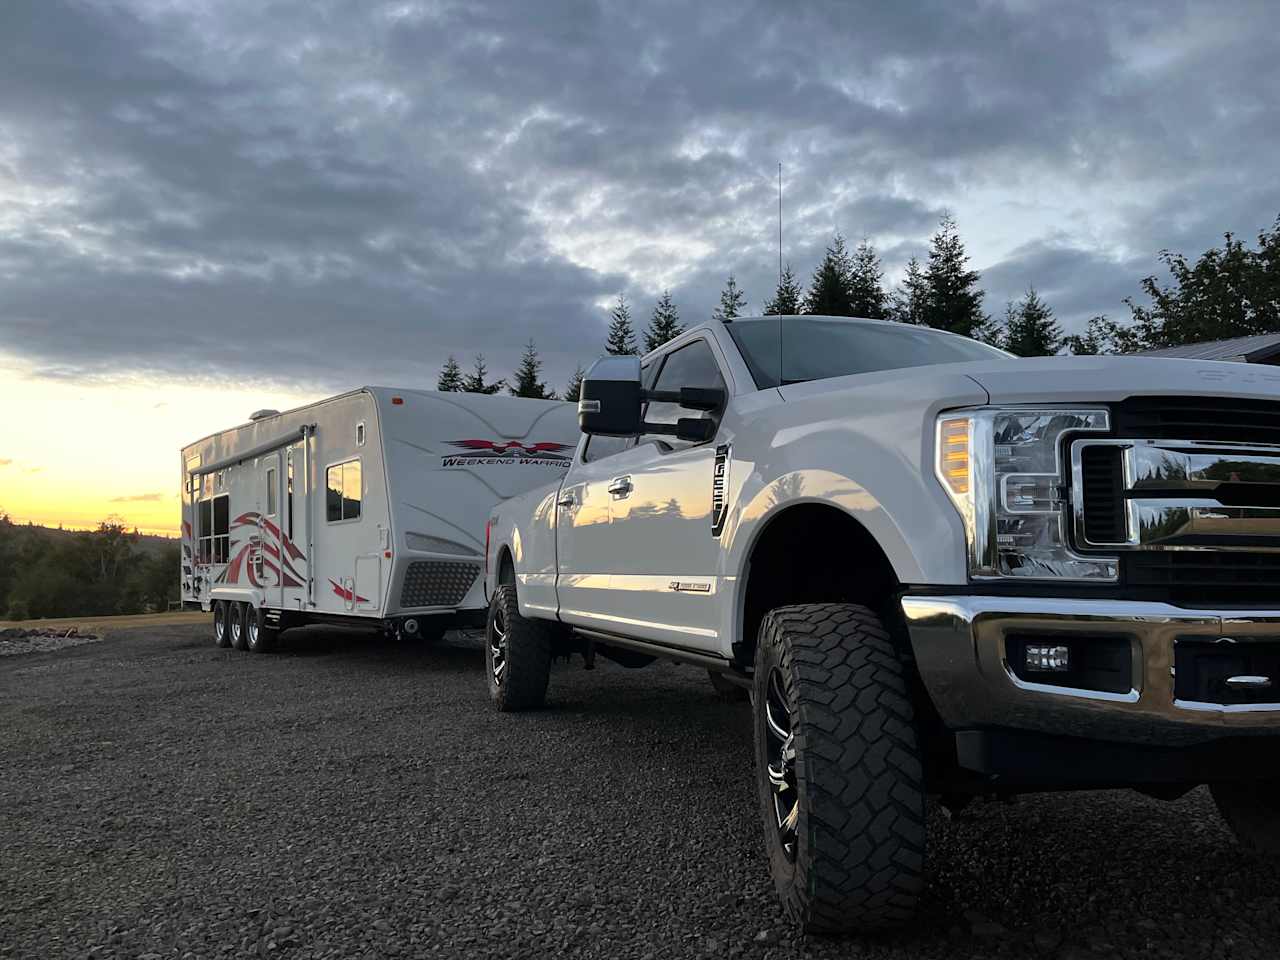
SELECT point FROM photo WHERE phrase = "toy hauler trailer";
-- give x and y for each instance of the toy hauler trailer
(366, 508)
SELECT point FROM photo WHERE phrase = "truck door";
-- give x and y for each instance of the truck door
(665, 579)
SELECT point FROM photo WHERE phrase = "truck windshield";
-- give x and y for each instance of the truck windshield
(781, 350)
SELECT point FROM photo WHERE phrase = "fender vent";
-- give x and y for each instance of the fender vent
(437, 583)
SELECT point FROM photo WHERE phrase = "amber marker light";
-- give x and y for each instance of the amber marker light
(954, 451)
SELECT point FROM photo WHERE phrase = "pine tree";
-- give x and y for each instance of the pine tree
(866, 284)
(477, 380)
(1030, 328)
(450, 380)
(828, 294)
(954, 301)
(665, 324)
(911, 296)
(732, 302)
(786, 299)
(622, 335)
(527, 383)
(573, 391)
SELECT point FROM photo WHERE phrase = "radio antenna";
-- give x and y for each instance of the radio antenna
(779, 223)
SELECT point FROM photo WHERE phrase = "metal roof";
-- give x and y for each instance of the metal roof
(1245, 349)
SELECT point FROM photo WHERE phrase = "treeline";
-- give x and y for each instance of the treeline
(1229, 292)
(52, 573)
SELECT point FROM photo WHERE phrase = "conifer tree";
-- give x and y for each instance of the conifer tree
(477, 380)
(828, 294)
(665, 324)
(622, 335)
(911, 296)
(1030, 328)
(866, 284)
(573, 391)
(732, 302)
(786, 299)
(527, 383)
(450, 380)
(954, 301)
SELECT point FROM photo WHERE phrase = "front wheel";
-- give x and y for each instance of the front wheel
(1252, 811)
(838, 769)
(517, 654)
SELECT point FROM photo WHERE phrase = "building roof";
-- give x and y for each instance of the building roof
(1244, 349)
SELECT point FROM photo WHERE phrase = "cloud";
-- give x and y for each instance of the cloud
(249, 193)
(139, 498)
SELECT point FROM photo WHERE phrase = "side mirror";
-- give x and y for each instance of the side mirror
(610, 403)
(695, 429)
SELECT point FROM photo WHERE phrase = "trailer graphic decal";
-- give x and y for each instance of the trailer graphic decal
(345, 594)
(492, 452)
(259, 554)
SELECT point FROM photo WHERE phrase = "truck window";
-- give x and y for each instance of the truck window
(342, 491)
(693, 365)
(271, 492)
(598, 447)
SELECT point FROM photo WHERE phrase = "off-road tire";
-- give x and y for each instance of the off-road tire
(1252, 811)
(237, 618)
(264, 637)
(858, 854)
(525, 648)
(221, 623)
(727, 691)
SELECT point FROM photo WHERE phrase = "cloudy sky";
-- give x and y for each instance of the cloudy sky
(242, 199)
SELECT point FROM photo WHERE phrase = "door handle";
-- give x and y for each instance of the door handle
(566, 501)
(620, 487)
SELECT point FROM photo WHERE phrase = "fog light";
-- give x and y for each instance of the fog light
(1048, 658)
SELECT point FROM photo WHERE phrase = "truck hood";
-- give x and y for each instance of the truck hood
(1053, 379)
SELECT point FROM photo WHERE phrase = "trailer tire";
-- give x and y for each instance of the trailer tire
(221, 624)
(838, 769)
(517, 655)
(1252, 811)
(726, 690)
(259, 637)
(237, 619)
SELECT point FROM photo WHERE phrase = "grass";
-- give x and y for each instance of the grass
(105, 624)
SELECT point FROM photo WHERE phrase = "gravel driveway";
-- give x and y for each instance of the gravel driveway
(352, 797)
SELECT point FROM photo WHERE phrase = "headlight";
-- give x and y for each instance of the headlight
(1003, 470)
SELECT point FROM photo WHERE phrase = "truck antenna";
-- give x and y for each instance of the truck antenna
(779, 224)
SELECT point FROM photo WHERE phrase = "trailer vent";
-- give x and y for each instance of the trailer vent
(437, 583)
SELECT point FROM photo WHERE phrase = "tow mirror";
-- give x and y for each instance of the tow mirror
(695, 429)
(610, 403)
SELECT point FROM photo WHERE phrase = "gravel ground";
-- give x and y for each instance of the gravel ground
(14, 641)
(351, 797)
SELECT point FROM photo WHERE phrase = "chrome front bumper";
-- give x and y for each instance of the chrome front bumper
(959, 646)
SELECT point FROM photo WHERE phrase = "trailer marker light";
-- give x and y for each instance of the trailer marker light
(1048, 658)
(397, 401)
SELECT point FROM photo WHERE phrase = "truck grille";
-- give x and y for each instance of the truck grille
(437, 583)
(1187, 494)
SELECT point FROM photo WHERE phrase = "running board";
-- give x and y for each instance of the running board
(664, 652)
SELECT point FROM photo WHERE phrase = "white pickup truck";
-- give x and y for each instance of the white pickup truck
(939, 571)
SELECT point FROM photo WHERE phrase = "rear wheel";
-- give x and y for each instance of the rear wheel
(221, 624)
(517, 654)
(1252, 811)
(838, 769)
(237, 620)
(259, 637)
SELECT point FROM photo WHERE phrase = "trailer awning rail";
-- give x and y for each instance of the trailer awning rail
(300, 433)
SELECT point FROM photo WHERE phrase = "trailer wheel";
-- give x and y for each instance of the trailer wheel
(517, 655)
(260, 638)
(238, 618)
(221, 624)
(1251, 811)
(838, 769)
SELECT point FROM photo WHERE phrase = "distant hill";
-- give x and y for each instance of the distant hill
(147, 543)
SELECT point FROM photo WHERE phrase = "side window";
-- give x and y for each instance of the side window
(693, 365)
(342, 491)
(221, 529)
(271, 492)
(598, 447)
(204, 531)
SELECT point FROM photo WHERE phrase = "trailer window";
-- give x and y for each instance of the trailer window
(213, 526)
(342, 491)
(271, 492)
(289, 496)
(204, 531)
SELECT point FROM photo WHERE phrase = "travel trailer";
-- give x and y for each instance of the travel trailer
(366, 508)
